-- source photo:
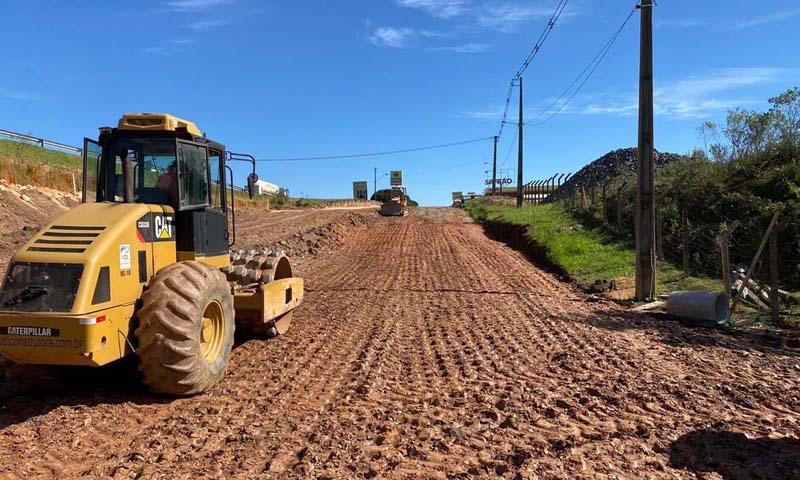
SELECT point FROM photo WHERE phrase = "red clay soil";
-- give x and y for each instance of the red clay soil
(23, 211)
(426, 350)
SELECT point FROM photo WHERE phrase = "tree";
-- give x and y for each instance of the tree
(386, 194)
(786, 112)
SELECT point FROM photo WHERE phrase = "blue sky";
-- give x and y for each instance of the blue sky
(306, 78)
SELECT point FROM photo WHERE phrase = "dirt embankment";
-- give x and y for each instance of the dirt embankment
(23, 211)
(303, 234)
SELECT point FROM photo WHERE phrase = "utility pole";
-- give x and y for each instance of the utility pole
(519, 153)
(645, 168)
(494, 167)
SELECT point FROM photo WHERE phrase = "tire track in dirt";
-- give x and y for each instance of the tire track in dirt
(426, 350)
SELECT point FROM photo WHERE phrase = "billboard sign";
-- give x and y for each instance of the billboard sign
(396, 178)
(360, 190)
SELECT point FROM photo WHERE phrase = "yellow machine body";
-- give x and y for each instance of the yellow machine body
(396, 205)
(79, 280)
(97, 329)
(110, 236)
(156, 122)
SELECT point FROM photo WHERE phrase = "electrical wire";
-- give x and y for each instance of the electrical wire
(510, 149)
(590, 67)
(374, 154)
(562, 4)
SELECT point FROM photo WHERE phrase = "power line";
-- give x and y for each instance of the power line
(545, 33)
(562, 4)
(373, 154)
(590, 67)
(510, 149)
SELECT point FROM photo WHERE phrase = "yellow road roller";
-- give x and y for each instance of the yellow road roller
(144, 265)
(396, 205)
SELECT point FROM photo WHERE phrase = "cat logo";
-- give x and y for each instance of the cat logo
(156, 227)
(163, 227)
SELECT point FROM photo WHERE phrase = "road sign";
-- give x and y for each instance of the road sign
(360, 190)
(500, 181)
(396, 178)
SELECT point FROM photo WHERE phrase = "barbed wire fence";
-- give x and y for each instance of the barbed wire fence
(752, 255)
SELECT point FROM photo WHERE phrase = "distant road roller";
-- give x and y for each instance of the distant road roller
(143, 265)
(396, 205)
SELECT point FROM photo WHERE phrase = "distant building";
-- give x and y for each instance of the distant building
(266, 188)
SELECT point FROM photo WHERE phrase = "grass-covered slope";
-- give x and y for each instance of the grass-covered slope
(25, 164)
(587, 255)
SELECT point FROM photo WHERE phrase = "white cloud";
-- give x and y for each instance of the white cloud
(438, 8)
(681, 22)
(464, 48)
(769, 18)
(728, 24)
(432, 34)
(491, 114)
(720, 80)
(493, 14)
(205, 25)
(621, 110)
(170, 47)
(391, 37)
(505, 17)
(696, 96)
(195, 5)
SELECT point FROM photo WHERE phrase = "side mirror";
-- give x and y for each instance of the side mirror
(251, 184)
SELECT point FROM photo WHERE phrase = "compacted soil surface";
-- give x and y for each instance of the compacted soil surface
(424, 349)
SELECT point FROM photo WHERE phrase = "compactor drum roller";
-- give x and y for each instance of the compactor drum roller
(142, 267)
(396, 205)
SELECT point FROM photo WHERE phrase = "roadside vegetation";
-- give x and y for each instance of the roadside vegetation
(386, 195)
(745, 171)
(591, 256)
(25, 164)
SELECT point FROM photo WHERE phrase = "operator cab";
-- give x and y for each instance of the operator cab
(160, 159)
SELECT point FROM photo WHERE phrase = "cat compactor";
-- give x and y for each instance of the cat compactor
(396, 205)
(142, 266)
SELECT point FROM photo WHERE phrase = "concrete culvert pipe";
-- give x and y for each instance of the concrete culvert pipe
(704, 307)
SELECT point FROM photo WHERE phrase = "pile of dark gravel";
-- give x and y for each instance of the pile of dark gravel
(612, 164)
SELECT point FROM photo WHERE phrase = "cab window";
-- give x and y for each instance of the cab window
(192, 175)
(214, 172)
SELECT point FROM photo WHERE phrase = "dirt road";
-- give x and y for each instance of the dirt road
(425, 349)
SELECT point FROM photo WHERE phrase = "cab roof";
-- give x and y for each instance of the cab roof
(156, 122)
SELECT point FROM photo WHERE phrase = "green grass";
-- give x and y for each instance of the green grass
(585, 254)
(36, 154)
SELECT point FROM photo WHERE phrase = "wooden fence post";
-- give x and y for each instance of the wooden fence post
(583, 200)
(774, 294)
(724, 244)
(659, 235)
(619, 209)
(756, 258)
(685, 241)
